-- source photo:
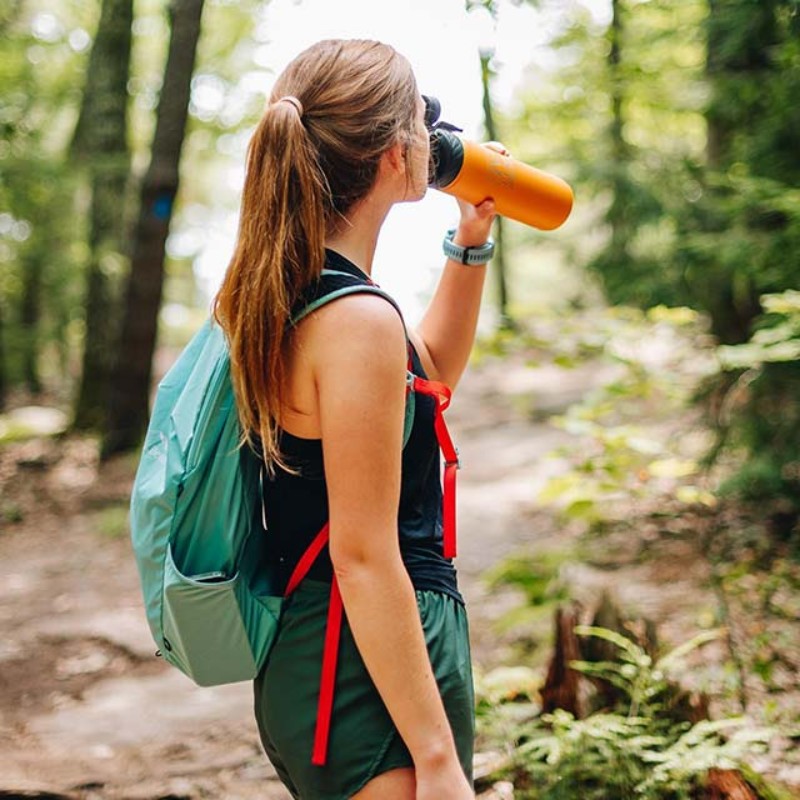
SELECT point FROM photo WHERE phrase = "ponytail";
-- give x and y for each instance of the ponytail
(313, 155)
(280, 250)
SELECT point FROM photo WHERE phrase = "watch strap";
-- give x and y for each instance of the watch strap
(471, 256)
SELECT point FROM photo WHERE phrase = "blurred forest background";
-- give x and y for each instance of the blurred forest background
(677, 124)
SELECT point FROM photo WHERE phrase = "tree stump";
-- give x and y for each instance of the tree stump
(562, 687)
(727, 784)
(565, 688)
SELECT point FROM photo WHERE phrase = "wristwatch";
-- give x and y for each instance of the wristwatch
(473, 256)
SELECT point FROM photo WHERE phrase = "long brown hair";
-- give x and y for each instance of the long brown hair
(308, 164)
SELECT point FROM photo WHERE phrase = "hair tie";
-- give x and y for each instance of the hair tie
(290, 98)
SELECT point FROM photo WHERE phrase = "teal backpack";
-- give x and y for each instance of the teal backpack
(198, 527)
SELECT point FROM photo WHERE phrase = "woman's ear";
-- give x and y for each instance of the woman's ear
(394, 159)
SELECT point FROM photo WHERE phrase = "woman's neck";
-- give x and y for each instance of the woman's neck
(358, 238)
(356, 249)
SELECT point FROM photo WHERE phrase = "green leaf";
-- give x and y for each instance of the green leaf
(628, 647)
(692, 495)
(672, 468)
(674, 657)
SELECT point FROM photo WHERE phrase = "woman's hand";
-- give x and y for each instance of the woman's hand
(444, 783)
(476, 220)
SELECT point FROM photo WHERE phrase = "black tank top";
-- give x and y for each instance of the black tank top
(297, 504)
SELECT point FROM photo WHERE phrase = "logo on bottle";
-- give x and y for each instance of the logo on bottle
(499, 168)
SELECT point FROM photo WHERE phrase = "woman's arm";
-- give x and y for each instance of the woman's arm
(359, 357)
(445, 336)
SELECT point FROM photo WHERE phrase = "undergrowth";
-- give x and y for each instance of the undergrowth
(637, 749)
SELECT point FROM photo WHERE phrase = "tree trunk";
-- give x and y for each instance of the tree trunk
(3, 368)
(626, 276)
(727, 784)
(100, 141)
(618, 215)
(499, 261)
(740, 36)
(562, 686)
(128, 410)
(30, 314)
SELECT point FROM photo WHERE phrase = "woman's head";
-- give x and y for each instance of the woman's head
(359, 98)
(333, 113)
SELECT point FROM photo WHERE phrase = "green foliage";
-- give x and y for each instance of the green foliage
(44, 55)
(775, 340)
(635, 750)
(10, 513)
(760, 410)
(537, 578)
(41, 56)
(616, 131)
(616, 757)
(643, 680)
(740, 243)
(113, 522)
(676, 126)
(739, 239)
(631, 443)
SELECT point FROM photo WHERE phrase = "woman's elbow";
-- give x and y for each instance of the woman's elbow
(355, 559)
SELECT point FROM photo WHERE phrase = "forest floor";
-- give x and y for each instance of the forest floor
(87, 711)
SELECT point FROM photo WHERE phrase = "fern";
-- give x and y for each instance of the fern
(634, 751)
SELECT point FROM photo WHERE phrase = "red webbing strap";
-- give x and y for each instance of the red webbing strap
(330, 657)
(307, 559)
(330, 652)
(442, 394)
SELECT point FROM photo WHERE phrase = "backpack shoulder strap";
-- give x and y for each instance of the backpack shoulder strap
(344, 283)
(352, 285)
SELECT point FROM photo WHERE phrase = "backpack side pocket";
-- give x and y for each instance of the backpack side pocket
(215, 630)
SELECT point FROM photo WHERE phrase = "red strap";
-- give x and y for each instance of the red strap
(449, 511)
(330, 657)
(442, 394)
(307, 559)
(330, 652)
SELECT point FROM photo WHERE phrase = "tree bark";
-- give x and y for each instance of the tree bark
(128, 410)
(740, 36)
(3, 368)
(100, 140)
(499, 261)
(30, 314)
(727, 784)
(562, 686)
(618, 215)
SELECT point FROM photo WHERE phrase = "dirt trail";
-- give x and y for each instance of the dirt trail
(87, 711)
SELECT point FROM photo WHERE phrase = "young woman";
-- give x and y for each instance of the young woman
(342, 140)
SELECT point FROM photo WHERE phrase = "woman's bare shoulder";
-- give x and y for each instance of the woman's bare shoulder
(362, 321)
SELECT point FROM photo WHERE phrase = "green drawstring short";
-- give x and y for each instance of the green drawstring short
(363, 740)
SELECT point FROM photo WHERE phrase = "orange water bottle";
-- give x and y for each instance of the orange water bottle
(473, 172)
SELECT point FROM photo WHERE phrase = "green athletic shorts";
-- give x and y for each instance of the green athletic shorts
(363, 740)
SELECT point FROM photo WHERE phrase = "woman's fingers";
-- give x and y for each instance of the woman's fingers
(485, 208)
(498, 147)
